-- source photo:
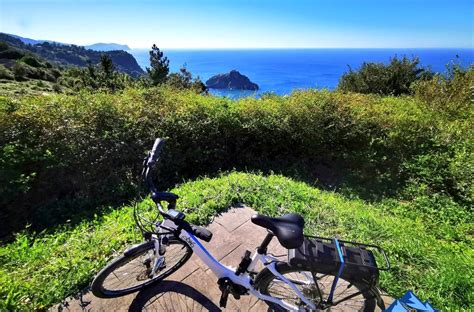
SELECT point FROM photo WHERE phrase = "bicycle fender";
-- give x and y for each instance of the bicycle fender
(139, 247)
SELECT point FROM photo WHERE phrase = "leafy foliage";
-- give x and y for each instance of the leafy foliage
(101, 77)
(5, 73)
(59, 149)
(184, 80)
(449, 94)
(395, 78)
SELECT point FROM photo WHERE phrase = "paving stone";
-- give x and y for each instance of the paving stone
(259, 306)
(194, 287)
(251, 235)
(222, 242)
(234, 217)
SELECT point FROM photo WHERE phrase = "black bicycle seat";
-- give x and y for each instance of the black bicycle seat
(288, 228)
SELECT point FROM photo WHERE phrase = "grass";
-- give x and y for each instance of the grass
(21, 88)
(431, 258)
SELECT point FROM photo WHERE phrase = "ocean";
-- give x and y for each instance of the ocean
(283, 70)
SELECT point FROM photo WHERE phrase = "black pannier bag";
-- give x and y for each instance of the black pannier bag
(321, 254)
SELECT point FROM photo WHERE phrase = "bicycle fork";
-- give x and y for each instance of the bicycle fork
(159, 252)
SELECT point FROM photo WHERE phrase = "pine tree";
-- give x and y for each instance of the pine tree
(107, 66)
(159, 66)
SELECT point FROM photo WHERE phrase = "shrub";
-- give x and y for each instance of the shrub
(394, 78)
(184, 80)
(40, 84)
(3, 46)
(31, 60)
(64, 153)
(57, 88)
(11, 54)
(451, 93)
(19, 71)
(5, 73)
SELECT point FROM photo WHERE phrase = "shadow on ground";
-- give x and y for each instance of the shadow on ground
(174, 296)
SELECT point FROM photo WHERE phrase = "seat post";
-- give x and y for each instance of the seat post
(262, 249)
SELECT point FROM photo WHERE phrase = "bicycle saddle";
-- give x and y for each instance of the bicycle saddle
(288, 228)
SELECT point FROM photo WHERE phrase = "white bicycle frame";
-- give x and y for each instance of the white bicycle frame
(222, 271)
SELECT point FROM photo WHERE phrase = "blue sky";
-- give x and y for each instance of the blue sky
(245, 24)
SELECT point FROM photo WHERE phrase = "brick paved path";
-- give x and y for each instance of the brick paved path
(193, 287)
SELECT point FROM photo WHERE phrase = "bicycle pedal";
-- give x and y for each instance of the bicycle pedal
(224, 297)
(224, 287)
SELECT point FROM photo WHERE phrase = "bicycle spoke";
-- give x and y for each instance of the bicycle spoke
(316, 287)
(138, 270)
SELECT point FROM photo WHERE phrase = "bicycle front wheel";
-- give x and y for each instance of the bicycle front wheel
(140, 268)
(348, 295)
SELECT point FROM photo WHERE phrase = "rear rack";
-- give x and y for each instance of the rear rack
(364, 249)
(340, 258)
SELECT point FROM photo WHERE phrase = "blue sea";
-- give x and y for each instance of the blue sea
(283, 70)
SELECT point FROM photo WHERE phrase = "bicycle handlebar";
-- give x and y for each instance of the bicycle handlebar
(156, 151)
(157, 196)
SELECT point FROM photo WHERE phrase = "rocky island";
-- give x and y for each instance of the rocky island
(232, 81)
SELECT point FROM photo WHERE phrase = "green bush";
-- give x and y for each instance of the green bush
(394, 78)
(184, 80)
(19, 71)
(31, 60)
(11, 54)
(4, 46)
(451, 94)
(5, 73)
(61, 154)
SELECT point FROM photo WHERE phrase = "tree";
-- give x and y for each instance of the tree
(91, 70)
(184, 80)
(107, 66)
(159, 66)
(394, 78)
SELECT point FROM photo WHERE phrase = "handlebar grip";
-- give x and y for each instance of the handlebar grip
(156, 150)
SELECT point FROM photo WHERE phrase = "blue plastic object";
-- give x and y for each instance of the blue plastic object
(410, 302)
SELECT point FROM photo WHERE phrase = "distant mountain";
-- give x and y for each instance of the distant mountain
(107, 47)
(32, 41)
(96, 46)
(64, 54)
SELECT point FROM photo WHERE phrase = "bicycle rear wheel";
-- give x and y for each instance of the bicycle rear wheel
(316, 287)
(134, 270)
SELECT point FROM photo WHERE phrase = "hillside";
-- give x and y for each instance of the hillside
(107, 47)
(96, 46)
(32, 41)
(76, 55)
(23, 72)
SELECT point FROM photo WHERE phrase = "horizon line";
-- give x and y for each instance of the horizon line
(291, 48)
(471, 47)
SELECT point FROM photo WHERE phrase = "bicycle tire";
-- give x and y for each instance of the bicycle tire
(265, 278)
(102, 291)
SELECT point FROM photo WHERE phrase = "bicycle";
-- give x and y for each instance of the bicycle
(320, 273)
